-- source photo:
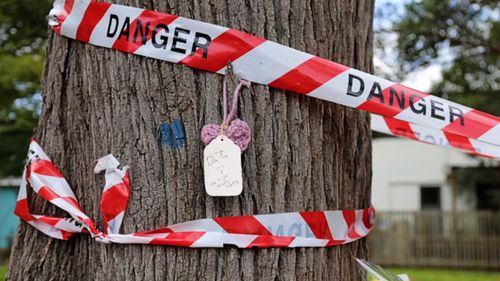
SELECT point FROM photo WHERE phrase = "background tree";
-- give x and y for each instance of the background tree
(462, 36)
(305, 154)
(22, 34)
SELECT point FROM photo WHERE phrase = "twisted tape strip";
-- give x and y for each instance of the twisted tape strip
(297, 229)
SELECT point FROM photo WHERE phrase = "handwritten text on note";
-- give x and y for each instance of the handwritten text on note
(222, 167)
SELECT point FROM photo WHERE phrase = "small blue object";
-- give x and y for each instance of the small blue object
(173, 135)
(178, 132)
(166, 134)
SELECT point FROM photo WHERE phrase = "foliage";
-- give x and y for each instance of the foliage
(461, 35)
(485, 179)
(23, 31)
(481, 174)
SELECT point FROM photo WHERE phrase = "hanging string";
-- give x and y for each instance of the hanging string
(235, 129)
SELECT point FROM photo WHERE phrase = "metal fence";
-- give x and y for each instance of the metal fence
(437, 239)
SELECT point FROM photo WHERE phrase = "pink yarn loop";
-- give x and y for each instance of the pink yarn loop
(210, 132)
(237, 130)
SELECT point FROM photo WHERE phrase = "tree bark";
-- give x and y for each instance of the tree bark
(305, 154)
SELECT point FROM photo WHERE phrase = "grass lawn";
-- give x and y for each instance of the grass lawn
(3, 272)
(427, 274)
(416, 274)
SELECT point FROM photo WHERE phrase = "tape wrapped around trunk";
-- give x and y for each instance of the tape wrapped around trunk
(299, 229)
(210, 47)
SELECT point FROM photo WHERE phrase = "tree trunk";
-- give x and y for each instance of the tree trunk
(305, 154)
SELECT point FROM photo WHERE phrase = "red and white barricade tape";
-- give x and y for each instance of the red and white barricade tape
(210, 47)
(394, 127)
(300, 229)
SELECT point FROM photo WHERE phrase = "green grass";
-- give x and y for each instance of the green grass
(427, 274)
(416, 274)
(3, 272)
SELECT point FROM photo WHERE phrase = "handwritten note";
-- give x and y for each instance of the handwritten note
(222, 167)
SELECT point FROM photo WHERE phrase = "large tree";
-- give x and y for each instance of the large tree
(305, 154)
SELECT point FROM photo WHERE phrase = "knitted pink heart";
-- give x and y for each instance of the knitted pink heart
(238, 131)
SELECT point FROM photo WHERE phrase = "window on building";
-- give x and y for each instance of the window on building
(430, 198)
(488, 196)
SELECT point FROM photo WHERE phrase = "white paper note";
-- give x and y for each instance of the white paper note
(222, 167)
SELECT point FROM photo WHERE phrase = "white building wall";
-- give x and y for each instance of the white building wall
(401, 167)
(10, 181)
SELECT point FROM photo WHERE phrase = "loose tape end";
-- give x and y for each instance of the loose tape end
(108, 162)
